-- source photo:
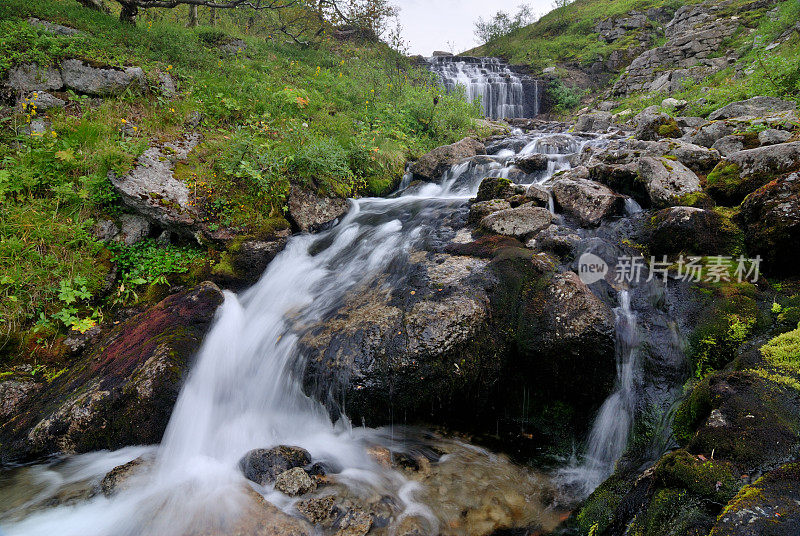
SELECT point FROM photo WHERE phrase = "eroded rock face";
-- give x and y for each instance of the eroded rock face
(689, 230)
(755, 107)
(586, 200)
(667, 181)
(120, 394)
(433, 165)
(152, 190)
(743, 172)
(770, 218)
(294, 482)
(310, 213)
(521, 222)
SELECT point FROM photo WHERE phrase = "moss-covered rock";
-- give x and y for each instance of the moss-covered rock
(743, 172)
(494, 188)
(120, 394)
(690, 231)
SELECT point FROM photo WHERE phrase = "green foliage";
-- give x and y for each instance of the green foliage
(502, 23)
(707, 479)
(692, 412)
(565, 98)
(597, 512)
(783, 352)
(149, 261)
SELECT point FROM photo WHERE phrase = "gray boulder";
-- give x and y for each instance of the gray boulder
(755, 107)
(773, 136)
(667, 181)
(42, 100)
(708, 134)
(310, 212)
(689, 230)
(531, 163)
(593, 122)
(152, 190)
(698, 159)
(729, 144)
(651, 125)
(52, 28)
(83, 77)
(521, 222)
(481, 209)
(32, 77)
(743, 172)
(434, 164)
(133, 229)
(584, 199)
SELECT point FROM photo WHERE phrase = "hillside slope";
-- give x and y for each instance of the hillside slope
(83, 102)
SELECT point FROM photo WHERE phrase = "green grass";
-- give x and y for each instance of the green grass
(338, 117)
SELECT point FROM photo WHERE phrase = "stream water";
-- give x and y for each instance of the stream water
(245, 392)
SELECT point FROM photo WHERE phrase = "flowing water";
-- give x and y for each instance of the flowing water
(245, 392)
(502, 92)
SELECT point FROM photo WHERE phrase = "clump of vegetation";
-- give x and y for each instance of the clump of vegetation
(783, 352)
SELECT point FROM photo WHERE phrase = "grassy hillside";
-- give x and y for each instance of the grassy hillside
(338, 117)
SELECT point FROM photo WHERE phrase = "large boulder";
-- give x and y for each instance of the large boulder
(689, 230)
(521, 222)
(767, 506)
(593, 122)
(652, 126)
(697, 158)
(667, 181)
(151, 189)
(745, 171)
(32, 77)
(83, 77)
(120, 394)
(770, 218)
(587, 201)
(494, 188)
(754, 107)
(263, 466)
(434, 164)
(708, 134)
(310, 212)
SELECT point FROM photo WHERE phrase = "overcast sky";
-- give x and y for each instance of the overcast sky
(430, 25)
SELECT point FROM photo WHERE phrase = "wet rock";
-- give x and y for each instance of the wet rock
(556, 239)
(478, 211)
(321, 511)
(593, 122)
(294, 482)
(310, 213)
(743, 172)
(104, 81)
(689, 230)
(538, 195)
(249, 260)
(522, 222)
(667, 181)
(494, 188)
(119, 478)
(773, 136)
(586, 200)
(263, 466)
(531, 163)
(120, 394)
(355, 522)
(505, 144)
(767, 506)
(770, 218)
(755, 107)
(151, 189)
(77, 342)
(433, 165)
(32, 77)
(12, 394)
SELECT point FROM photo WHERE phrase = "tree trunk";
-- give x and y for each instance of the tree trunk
(192, 16)
(97, 5)
(213, 16)
(128, 12)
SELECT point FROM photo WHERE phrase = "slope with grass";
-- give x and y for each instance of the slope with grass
(339, 118)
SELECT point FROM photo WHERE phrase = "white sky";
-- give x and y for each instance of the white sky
(430, 25)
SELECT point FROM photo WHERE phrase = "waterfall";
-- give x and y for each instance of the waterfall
(245, 389)
(609, 435)
(503, 93)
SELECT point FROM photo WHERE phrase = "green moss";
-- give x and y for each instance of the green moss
(783, 352)
(670, 129)
(710, 479)
(696, 200)
(670, 512)
(724, 178)
(692, 412)
(224, 267)
(597, 512)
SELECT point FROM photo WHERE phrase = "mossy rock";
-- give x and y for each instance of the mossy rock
(711, 480)
(726, 185)
(494, 188)
(697, 200)
(670, 129)
(672, 512)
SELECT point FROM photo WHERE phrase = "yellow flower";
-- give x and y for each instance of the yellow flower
(54, 134)
(123, 121)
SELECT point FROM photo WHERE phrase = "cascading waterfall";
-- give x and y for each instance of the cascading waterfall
(245, 391)
(503, 93)
(609, 435)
